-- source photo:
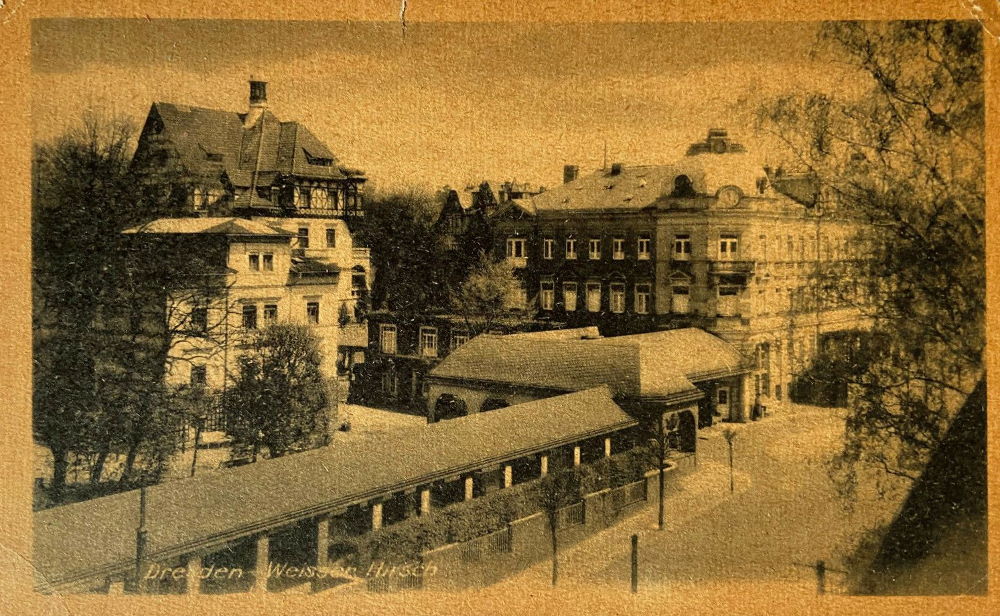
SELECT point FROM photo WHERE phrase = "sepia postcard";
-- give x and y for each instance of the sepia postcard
(421, 307)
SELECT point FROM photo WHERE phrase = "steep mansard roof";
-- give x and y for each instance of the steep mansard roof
(212, 141)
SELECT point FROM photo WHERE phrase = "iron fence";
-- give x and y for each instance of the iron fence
(628, 494)
(570, 516)
(497, 542)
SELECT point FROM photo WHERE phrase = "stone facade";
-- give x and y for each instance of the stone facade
(708, 241)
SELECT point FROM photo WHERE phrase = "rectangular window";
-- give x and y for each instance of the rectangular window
(642, 297)
(254, 262)
(643, 248)
(618, 248)
(305, 197)
(303, 237)
(595, 248)
(679, 299)
(387, 339)
(569, 296)
(547, 295)
(516, 248)
(249, 317)
(331, 238)
(199, 320)
(428, 341)
(728, 247)
(727, 301)
(270, 314)
(359, 285)
(571, 247)
(199, 199)
(548, 248)
(458, 338)
(198, 376)
(682, 248)
(268, 262)
(618, 297)
(312, 313)
(594, 296)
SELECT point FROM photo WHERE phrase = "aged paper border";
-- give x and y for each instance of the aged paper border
(16, 595)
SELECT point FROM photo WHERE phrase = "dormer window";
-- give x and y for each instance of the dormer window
(211, 155)
(683, 187)
(319, 161)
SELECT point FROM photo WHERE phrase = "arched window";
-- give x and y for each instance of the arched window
(683, 187)
(449, 406)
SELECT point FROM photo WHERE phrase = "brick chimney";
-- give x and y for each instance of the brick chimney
(258, 102)
(569, 173)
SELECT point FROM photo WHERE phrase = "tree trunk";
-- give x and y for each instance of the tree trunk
(194, 451)
(133, 452)
(555, 551)
(98, 468)
(661, 513)
(731, 487)
(60, 465)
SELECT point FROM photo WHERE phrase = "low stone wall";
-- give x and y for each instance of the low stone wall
(530, 540)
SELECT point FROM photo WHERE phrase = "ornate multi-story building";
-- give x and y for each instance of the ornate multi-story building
(715, 240)
(250, 163)
(276, 207)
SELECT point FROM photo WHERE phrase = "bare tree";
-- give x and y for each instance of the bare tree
(902, 153)
(102, 318)
(555, 491)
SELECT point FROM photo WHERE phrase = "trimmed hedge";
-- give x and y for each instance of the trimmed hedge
(405, 541)
(618, 470)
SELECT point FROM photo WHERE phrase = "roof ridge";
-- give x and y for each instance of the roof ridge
(198, 107)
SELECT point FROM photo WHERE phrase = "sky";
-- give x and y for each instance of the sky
(446, 103)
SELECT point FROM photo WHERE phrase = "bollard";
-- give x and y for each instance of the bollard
(820, 577)
(635, 563)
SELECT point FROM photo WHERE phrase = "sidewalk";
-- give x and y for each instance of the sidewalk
(783, 516)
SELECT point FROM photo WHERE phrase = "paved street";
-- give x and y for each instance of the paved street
(784, 514)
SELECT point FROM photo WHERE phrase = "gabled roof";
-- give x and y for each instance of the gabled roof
(212, 141)
(577, 333)
(544, 363)
(243, 500)
(209, 226)
(565, 364)
(658, 364)
(690, 351)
